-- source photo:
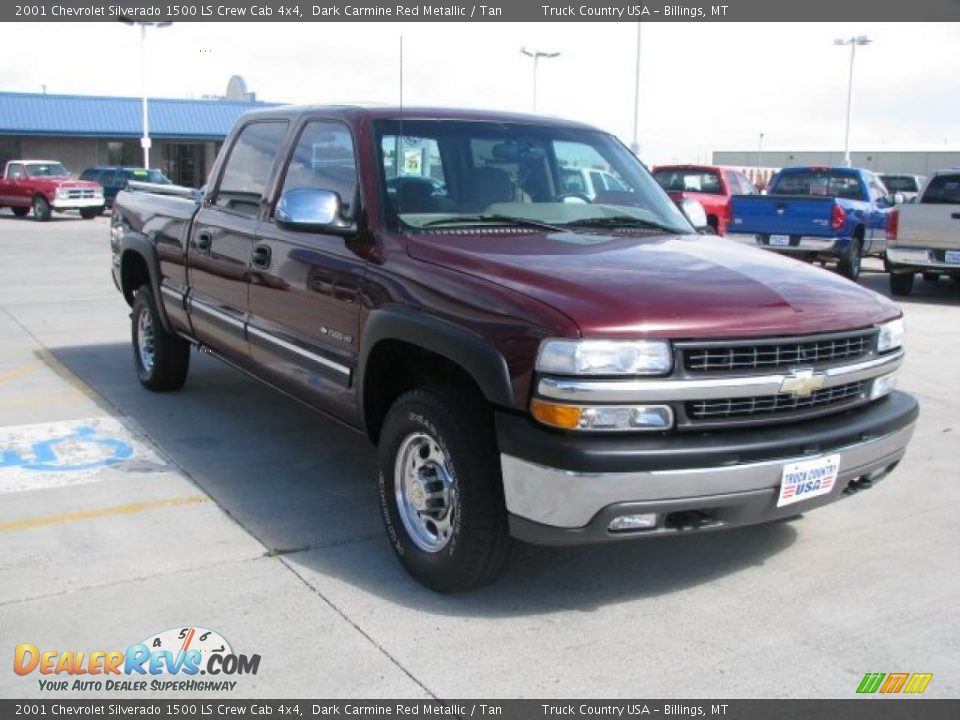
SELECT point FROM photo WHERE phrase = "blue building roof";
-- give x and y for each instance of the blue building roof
(116, 117)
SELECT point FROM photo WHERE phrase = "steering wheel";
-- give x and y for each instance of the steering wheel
(575, 198)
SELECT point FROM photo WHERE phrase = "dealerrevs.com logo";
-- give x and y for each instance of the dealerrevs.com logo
(172, 660)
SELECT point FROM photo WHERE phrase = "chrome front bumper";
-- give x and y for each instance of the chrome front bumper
(76, 203)
(565, 499)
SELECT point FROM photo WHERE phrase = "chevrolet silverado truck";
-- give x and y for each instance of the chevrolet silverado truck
(44, 187)
(711, 186)
(817, 213)
(927, 238)
(529, 363)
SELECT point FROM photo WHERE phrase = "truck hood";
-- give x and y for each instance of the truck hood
(680, 287)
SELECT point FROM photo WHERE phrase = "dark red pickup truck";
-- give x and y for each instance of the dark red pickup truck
(530, 362)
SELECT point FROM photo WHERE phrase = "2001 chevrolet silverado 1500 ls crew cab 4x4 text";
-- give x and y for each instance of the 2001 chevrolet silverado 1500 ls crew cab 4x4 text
(530, 363)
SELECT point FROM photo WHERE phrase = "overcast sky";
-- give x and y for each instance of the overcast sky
(704, 86)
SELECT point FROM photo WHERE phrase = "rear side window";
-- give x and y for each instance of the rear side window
(244, 178)
(900, 183)
(746, 187)
(15, 172)
(324, 160)
(943, 190)
(819, 183)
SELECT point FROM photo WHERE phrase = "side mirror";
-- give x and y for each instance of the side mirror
(312, 211)
(695, 213)
(899, 198)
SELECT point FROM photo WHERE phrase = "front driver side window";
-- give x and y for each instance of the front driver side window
(324, 160)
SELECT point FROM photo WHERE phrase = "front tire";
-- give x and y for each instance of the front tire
(41, 208)
(440, 488)
(901, 284)
(89, 213)
(161, 359)
(850, 261)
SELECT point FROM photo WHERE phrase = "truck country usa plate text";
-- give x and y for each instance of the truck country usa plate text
(808, 479)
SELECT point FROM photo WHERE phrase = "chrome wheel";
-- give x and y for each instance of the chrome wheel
(146, 341)
(425, 492)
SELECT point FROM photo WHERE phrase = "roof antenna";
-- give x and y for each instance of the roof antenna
(398, 145)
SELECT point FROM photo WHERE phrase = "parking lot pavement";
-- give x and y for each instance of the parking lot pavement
(227, 506)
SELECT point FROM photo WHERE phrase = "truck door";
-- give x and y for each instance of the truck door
(305, 286)
(14, 192)
(222, 236)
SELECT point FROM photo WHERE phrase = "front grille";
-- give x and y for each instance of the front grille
(81, 193)
(766, 405)
(770, 354)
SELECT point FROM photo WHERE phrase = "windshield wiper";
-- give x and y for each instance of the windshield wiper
(481, 219)
(619, 221)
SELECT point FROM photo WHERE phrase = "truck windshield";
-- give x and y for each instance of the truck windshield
(900, 183)
(47, 170)
(458, 173)
(150, 176)
(689, 180)
(820, 183)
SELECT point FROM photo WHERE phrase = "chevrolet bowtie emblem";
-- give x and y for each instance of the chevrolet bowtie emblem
(801, 383)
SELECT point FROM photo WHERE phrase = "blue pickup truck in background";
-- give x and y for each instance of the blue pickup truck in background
(818, 213)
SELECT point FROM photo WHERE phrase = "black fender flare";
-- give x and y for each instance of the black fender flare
(481, 360)
(140, 245)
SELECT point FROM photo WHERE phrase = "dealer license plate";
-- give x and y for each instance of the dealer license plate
(808, 479)
(952, 256)
(780, 240)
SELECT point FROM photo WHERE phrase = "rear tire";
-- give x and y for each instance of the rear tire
(41, 208)
(161, 359)
(440, 488)
(849, 264)
(20, 211)
(91, 212)
(901, 284)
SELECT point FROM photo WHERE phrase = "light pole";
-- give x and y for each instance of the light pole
(536, 55)
(852, 41)
(759, 153)
(635, 145)
(145, 140)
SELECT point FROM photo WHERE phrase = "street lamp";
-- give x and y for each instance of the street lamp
(759, 153)
(852, 41)
(536, 55)
(635, 145)
(145, 140)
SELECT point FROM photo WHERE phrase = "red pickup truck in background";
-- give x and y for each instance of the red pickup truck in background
(710, 185)
(44, 186)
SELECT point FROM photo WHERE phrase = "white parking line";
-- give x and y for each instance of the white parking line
(72, 452)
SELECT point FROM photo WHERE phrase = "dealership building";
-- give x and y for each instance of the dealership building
(84, 131)
(912, 162)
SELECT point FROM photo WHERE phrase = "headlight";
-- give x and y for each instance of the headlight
(97, 192)
(605, 357)
(891, 336)
(62, 192)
